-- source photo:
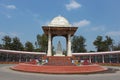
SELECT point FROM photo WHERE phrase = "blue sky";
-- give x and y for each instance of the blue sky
(25, 18)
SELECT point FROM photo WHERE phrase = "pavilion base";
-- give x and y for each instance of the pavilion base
(59, 55)
(59, 61)
(84, 69)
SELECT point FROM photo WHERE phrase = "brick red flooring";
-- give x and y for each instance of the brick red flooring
(83, 69)
(59, 61)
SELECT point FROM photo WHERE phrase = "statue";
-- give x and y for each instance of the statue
(59, 50)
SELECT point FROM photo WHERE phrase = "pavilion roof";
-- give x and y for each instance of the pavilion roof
(59, 31)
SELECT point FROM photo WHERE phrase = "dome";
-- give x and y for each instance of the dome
(59, 21)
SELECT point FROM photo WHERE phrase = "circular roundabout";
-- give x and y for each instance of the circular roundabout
(6, 73)
(83, 69)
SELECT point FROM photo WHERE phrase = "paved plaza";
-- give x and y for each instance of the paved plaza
(8, 74)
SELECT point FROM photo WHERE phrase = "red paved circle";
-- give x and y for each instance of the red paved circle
(83, 69)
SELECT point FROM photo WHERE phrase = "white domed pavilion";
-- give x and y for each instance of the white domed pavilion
(59, 26)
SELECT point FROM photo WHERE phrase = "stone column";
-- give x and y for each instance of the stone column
(7, 57)
(90, 58)
(69, 46)
(66, 46)
(110, 57)
(49, 45)
(117, 58)
(103, 59)
(96, 61)
(19, 57)
(26, 58)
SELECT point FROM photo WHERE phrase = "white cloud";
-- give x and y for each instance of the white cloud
(9, 16)
(13, 34)
(2, 33)
(99, 28)
(73, 5)
(10, 7)
(113, 33)
(82, 23)
(5, 10)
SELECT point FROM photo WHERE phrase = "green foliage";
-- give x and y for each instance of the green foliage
(11, 43)
(78, 44)
(42, 42)
(7, 42)
(29, 46)
(16, 44)
(103, 45)
(108, 42)
(98, 43)
(1, 46)
(116, 47)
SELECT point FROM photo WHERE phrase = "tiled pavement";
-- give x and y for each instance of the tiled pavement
(84, 69)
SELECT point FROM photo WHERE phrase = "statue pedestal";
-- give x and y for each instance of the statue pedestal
(59, 55)
(60, 61)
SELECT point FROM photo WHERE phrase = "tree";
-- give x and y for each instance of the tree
(78, 44)
(29, 46)
(16, 44)
(42, 42)
(98, 43)
(116, 47)
(103, 45)
(6, 42)
(1, 46)
(108, 43)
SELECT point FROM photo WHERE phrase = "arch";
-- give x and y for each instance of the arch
(63, 41)
(67, 32)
